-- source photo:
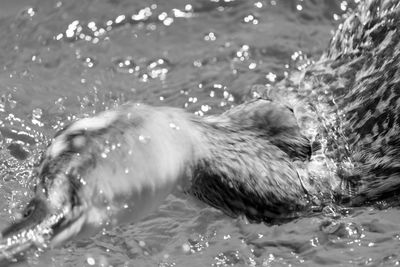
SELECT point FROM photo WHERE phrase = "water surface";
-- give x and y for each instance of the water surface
(68, 59)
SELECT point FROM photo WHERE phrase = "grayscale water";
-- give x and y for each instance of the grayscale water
(61, 60)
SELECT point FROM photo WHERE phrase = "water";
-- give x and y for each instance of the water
(63, 60)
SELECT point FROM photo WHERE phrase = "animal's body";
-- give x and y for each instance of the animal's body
(253, 160)
(358, 79)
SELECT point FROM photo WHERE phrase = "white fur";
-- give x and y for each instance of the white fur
(103, 120)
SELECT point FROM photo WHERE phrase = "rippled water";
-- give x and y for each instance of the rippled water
(67, 59)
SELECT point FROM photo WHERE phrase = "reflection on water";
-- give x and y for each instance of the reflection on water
(62, 60)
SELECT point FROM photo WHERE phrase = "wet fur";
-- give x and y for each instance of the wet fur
(360, 70)
(253, 159)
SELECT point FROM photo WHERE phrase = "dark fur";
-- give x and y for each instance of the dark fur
(360, 71)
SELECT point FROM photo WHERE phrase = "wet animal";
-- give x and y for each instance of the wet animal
(255, 160)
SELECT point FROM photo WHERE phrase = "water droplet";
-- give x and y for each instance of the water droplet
(168, 21)
(186, 248)
(91, 261)
(252, 66)
(29, 12)
(199, 113)
(120, 19)
(104, 155)
(162, 16)
(250, 19)
(11, 101)
(126, 171)
(192, 99)
(227, 237)
(142, 15)
(36, 116)
(205, 108)
(174, 126)
(126, 65)
(158, 68)
(89, 62)
(210, 37)
(271, 77)
(144, 139)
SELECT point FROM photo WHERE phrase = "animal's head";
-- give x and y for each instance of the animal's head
(59, 209)
(100, 172)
